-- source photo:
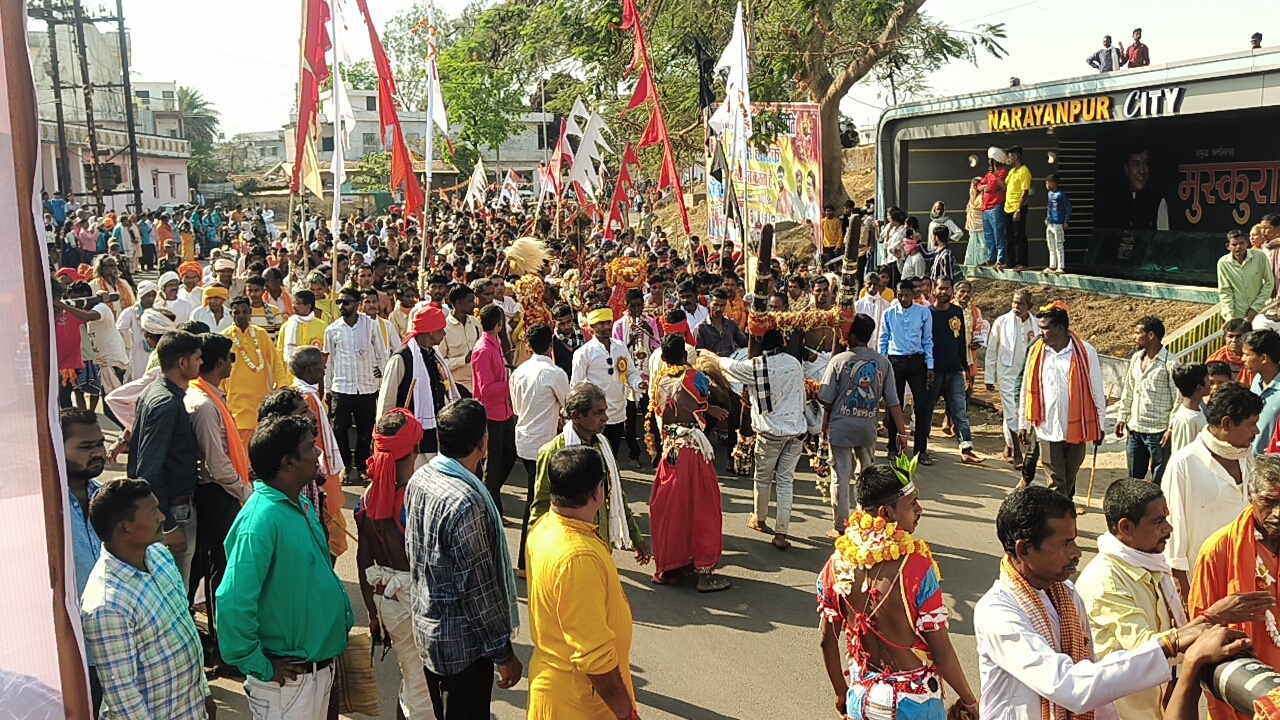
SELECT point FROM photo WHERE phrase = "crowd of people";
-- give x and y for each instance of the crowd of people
(266, 369)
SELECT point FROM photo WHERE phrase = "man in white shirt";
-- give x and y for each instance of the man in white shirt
(461, 331)
(1061, 366)
(169, 284)
(371, 306)
(607, 364)
(775, 381)
(1206, 482)
(1011, 337)
(352, 376)
(873, 305)
(1035, 652)
(107, 344)
(694, 311)
(538, 390)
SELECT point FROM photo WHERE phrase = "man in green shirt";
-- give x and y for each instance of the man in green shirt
(1017, 189)
(587, 412)
(283, 614)
(1245, 281)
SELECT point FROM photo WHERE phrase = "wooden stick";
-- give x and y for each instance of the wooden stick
(1088, 500)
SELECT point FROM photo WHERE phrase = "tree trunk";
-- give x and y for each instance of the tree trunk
(833, 192)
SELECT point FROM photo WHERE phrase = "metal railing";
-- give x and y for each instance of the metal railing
(1198, 339)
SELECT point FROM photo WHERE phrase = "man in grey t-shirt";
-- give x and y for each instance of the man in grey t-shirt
(852, 388)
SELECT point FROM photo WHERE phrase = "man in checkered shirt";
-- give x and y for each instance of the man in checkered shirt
(139, 636)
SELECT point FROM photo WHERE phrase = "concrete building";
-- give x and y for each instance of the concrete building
(521, 152)
(163, 151)
(247, 152)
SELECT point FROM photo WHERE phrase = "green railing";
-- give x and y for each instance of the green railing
(1198, 339)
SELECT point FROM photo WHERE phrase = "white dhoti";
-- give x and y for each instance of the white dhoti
(395, 614)
(1010, 385)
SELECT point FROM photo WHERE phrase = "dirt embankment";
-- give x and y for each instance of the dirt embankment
(1105, 321)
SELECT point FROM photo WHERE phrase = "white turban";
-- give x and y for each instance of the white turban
(146, 286)
(167, 278)
(995, 153)
(155, 322)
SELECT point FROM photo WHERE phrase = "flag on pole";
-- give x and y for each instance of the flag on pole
(314, 46)
(511, 190)
(475, 191)
(735, 110)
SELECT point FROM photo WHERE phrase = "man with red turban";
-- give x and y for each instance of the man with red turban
(381, 556)
(417, 378)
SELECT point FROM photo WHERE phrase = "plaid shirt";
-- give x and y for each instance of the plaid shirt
(459, 612)
(142, 640)
(1149, 398)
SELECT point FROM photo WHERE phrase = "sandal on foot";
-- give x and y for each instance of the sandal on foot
(781, 542)
(712, 583)
(754, 523)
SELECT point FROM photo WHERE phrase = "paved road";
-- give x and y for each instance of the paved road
(751, 651)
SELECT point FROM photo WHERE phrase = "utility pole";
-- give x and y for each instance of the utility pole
(95, 179)
(128, 108)
(55, 72)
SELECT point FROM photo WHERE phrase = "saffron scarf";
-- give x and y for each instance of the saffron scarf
(1083, 423)
(384, 500)
(235, 447)
(1076, 643)
(506, 575)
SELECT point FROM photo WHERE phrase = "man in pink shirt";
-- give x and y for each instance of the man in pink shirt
(492, 389)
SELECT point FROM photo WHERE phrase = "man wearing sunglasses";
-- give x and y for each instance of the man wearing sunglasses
(352, 377)
(608, 365)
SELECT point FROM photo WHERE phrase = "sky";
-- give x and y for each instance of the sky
(243, 54)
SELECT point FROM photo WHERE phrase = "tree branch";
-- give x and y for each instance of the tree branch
(878, 49)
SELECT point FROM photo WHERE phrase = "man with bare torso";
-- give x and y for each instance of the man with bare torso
(894, 638)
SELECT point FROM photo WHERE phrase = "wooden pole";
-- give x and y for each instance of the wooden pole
(760, 303)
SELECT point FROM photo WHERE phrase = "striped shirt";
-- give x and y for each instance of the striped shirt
(356, 357)
(143, 642)
(1148, 398)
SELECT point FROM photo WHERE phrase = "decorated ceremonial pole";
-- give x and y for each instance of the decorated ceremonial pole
(429, 149)
(760, 301)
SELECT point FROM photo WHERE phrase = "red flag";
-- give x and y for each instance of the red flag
(557, 161)
(656, 131)
(401, 159)
(619, 193)
(315, 70)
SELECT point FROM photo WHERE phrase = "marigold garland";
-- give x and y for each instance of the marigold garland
(529, 291)
(867, 541)
(758, 323)
(627, 272)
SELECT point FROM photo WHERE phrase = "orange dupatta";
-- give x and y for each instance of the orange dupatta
(1083, 423)
(235, 448)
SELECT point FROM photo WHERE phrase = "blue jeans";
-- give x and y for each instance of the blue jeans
(950, 387)
(1144, 450)
(993, 231)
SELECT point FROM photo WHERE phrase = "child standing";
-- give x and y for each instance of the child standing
(1057, 220)
(1188, 419)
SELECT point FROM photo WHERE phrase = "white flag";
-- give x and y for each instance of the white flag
(511, 190)
(735, 111)
(433, 75)
(475, 191)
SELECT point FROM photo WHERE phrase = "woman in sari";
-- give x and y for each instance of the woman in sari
(684, 508)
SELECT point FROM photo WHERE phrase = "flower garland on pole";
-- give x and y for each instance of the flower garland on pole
(656, 131)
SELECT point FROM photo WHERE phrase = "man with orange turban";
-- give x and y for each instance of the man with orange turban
(192, 277)
(381, 557)
(417, 378)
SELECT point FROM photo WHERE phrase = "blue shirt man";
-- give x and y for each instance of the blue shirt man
(907, 328)
(84, 541)
(84, 455)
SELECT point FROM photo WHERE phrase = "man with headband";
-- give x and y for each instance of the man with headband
(213, 310)
(607, 365)
(381, 556)
(192, 277)
(894, 650)
(417, 378)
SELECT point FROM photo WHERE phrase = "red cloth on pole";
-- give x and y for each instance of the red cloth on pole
(315, 69)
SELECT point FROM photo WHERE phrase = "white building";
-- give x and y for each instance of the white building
(163, 151)
(247, 152)
(521, 152)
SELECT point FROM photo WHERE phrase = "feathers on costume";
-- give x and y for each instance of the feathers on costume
(526, 256)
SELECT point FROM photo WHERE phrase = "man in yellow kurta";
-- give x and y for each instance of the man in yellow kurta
(257, 370)
(579, 618)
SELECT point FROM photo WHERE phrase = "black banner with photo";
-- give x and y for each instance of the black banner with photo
(1168, 191)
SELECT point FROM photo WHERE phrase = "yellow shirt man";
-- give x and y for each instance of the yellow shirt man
(1125, 610)
(579, 620)
(1016, 186)
(832, 233)
(298, 333)
(256, 372)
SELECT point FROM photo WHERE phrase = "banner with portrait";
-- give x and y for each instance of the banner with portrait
(780, 183)
(1168, 191)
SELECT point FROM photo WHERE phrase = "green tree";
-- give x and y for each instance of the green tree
(801, 50)
(200, 123)
(359, 75)
(374, 172)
